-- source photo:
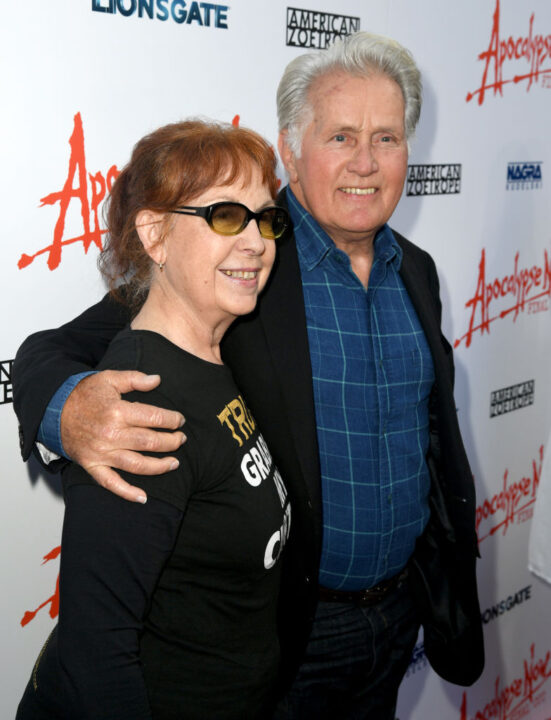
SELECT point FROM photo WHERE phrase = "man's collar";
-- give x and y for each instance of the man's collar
(314, 244)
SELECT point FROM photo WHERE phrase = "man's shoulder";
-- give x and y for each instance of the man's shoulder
(411, 251)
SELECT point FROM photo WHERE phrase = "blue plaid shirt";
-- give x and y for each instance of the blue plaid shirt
(372, 375)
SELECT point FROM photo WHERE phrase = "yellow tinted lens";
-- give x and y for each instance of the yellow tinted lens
(272, 223)
(228, 218)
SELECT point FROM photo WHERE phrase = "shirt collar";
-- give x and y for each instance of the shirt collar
(314, 244)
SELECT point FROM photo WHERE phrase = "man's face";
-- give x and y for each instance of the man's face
(353, 163)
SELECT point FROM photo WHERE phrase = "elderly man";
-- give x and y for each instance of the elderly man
(344, 366)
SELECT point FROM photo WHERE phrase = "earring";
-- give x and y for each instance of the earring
(161, 266)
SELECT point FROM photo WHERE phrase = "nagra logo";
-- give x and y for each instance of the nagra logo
(518, 698)
(53, 601)
(514, 503)
(532, 49)
(523, 290)
(256, 466)
(81, 188)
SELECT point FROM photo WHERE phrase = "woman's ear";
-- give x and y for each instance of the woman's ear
(149, 226)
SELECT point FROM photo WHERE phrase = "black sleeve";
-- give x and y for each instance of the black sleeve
(112, 555)
(46, 359)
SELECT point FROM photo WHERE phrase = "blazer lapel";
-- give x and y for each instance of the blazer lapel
(284, 321)
(417, 284)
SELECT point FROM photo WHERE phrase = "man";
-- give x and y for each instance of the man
(344, 366)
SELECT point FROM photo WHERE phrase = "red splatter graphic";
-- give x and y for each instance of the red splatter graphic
(52, 601)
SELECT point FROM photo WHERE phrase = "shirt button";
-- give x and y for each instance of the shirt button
(307, 579)
(389, 498)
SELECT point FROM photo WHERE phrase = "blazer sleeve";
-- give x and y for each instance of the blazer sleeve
(47, 358)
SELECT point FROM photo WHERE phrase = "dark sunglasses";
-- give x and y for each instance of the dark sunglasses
(230, 218)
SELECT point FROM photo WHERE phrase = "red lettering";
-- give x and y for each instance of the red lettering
(512, 501)
(519, 284)
(75, 189)
(533, 49)
(514, 700)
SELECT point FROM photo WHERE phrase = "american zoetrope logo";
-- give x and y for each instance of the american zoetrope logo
(314, 29)
(512, 398)
(433, 179)
(205, 14)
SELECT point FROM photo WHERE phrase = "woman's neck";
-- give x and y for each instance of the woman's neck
(170, 316)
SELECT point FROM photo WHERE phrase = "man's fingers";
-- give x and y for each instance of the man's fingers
(143, 439)
(143, 415)
(127, 380)
(110, 480)
(103, 433)
(138, 464)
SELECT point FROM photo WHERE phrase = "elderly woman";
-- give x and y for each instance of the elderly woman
(168, 609)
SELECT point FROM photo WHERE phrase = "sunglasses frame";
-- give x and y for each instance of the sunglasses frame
(207, 212)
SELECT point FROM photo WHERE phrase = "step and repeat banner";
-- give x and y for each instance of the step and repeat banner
(83, 80)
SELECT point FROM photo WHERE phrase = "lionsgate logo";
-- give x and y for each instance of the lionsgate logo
(512, 398)
(206, 14)
(524, 176)
(313, 29)
(434, 179)
(6, 390)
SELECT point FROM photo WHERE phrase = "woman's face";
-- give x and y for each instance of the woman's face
(219, 275)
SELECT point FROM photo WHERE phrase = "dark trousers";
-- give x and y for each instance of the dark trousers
(355, 661)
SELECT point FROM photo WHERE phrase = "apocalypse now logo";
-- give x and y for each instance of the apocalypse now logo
(512, 505)
(521, 290)
(518, 698)
(83, 192)
(523, 59)
(83, 189)
(52, 602)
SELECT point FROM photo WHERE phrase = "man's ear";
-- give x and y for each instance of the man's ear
(149, 226)
(287, 156)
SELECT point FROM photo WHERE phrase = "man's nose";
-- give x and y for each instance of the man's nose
(363, 162)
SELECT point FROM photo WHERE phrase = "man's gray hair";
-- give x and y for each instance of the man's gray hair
(361, 54)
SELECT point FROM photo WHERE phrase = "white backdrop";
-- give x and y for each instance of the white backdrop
(82, 80)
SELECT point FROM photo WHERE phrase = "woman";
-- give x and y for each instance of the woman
(168, 609)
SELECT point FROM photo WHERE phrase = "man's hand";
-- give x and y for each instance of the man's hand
(100, 431)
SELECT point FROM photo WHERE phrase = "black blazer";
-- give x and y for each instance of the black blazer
(269, 356)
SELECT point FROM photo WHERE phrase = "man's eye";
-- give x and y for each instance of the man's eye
(339, 138)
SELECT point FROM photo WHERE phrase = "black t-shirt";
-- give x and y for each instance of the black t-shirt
(183, 590)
